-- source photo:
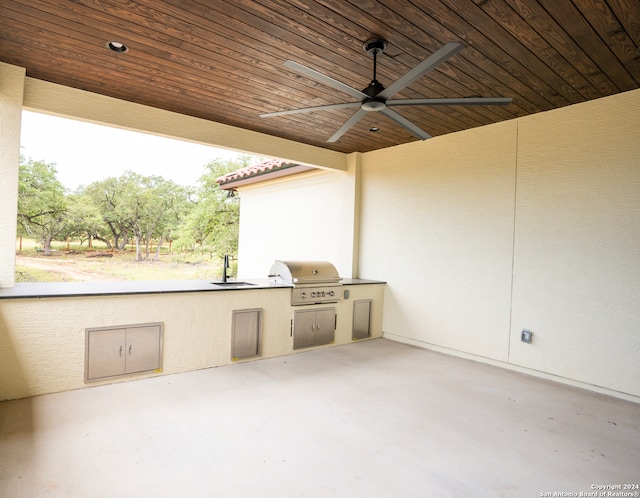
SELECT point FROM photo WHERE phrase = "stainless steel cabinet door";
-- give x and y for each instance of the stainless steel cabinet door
(304, 329)
(361, 319)
(325, 326)
(112, 351)
(246, 333)
(313, 327)
(106, 353)
(143, 349)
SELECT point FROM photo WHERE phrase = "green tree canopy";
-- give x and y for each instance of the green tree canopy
(42, 205)
(111, 197)
(212, 225)
(158, 205)
(84, 221)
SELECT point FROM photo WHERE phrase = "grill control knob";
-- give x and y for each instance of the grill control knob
(313, 295)
(303, 295)
(331, 293)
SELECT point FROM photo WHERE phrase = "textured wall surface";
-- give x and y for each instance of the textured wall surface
(42, 96)
(300, 217)
(577, 243)
(43, 340)
(532, 223)
(437, 225)
(11, 95)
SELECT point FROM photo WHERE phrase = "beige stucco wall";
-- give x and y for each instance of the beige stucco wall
(43, 340)
(308, 216)
(42, 96)
(11, 95)
(545, 209)
(437, 225)
(576, 279)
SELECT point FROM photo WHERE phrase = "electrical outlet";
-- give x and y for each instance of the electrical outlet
(527, 336)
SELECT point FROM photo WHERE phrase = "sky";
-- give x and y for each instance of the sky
(84, 152)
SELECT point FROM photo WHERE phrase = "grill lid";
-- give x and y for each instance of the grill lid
(304, 272)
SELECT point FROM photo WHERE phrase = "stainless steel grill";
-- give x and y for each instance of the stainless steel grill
(314, 282)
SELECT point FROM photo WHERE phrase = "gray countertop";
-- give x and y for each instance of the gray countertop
(75, 289)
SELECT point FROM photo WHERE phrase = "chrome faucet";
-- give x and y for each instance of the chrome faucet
(225, 265)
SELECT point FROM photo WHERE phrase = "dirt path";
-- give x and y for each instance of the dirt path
(62, 267)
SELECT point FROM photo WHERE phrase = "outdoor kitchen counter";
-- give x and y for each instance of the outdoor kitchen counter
(75, 289)
(44, 327)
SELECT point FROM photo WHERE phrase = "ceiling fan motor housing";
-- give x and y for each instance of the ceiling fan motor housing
(374, 88)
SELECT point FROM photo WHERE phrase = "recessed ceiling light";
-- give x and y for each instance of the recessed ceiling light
(117, 46)
(374, 129)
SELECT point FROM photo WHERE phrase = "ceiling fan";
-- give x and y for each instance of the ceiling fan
(376, 98)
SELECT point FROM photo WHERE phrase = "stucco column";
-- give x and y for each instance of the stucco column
(351, 198)
(11, 97)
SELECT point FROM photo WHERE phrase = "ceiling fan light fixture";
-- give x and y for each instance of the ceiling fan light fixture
(116, 46)
(373, 105)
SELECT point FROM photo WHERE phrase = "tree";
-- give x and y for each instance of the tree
(112, 199)
(84, 221)
(145, 207)
(212, 225)
(180, 205)
(158, 205)
(42, 205)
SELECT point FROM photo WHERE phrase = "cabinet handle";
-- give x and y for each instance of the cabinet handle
(120, 350)
(130, 349)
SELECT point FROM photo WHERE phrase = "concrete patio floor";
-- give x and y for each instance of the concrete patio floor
(371, 419)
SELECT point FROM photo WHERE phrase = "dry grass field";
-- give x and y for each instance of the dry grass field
(73, 263)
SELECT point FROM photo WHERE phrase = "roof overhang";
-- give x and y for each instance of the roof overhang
(267, 170)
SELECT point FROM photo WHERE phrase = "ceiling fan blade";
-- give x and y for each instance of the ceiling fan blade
(453, 101)
(426, 65)
(405, 123)
(313, 74)
(311, 109)
(358, 115)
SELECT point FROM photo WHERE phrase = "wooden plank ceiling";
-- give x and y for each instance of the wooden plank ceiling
(223, 60)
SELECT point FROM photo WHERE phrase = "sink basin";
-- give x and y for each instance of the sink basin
(233, 283)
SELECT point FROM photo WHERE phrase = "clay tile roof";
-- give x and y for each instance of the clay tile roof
(255, 173)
